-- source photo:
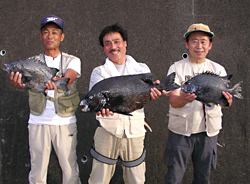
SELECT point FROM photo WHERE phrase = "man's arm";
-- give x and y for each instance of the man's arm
(70, 73)
(179, 99)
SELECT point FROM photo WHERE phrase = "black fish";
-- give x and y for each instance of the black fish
(124, 94)
(208, 88)
(35, 74)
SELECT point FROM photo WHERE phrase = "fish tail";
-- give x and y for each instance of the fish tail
(236, 90)
(168, 83)
(62, 84)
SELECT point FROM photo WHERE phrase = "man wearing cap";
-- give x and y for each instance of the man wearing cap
(52, 116)
(193, 127)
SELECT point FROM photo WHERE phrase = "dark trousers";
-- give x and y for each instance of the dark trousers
(201, 148)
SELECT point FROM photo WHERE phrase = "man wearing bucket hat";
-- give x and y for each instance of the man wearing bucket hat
(193, 127)
(52, 117)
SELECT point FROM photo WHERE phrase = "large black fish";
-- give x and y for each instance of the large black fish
(124, 94)
(35, 74)
(208, 88)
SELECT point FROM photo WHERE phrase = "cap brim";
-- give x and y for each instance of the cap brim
(51, 22)
(188, 33)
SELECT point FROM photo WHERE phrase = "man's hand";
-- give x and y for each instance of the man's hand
(229, 98)
(105, 112)
(15, 80)
(50, 86)
(188, 97)
(155, 93)
(179, 99)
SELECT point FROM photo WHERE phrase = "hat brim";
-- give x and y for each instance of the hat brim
(188, 33)
(50, 23)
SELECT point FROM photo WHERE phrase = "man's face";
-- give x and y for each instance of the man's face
(115, 48)
(198, 45)
(51, 37)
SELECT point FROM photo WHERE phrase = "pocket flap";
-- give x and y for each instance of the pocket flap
(212, 114)
(178, 112)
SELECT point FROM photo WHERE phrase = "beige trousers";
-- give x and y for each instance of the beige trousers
(64, 141)
(127, 149)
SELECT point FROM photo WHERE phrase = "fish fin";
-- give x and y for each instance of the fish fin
(143, 102)
(236, 90)
(223, 101)
(54, 71)
(226, 79)
(36, 60)
(148, 81)
(62, 84)
(168, 83)
(207, 104)
(147, 78)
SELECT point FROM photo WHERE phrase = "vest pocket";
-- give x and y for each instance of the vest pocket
(37, 103)
(214, 121)
(137, 122)
(69, 103)
(178, 121)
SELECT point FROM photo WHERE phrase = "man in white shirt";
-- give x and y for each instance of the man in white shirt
(52, 114)
(118, 136)
(193, 127)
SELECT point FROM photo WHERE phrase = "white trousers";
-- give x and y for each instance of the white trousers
(64, 141)
(127, 149)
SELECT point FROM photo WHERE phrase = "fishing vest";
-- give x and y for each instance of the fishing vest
(118, 124)
(66, 103)
(179, 117)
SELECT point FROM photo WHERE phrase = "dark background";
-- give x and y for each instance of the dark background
(155, 30)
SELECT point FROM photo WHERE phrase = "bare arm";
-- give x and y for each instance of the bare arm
(70, 73)
(179, 99)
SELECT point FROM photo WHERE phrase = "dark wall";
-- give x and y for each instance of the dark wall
(155, 30)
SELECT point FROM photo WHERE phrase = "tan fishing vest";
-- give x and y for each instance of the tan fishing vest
(66, 103)
(179, 118)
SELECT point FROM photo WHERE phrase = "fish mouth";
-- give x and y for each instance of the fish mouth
(85, 106)
(7, 69)
(188, 88)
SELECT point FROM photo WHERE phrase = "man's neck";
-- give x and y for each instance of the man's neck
(52, 53)
(197, 61)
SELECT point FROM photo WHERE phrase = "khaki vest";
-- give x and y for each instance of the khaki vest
(179, 117)
(66, 103)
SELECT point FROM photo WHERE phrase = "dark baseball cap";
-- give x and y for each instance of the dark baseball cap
(54, 19)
